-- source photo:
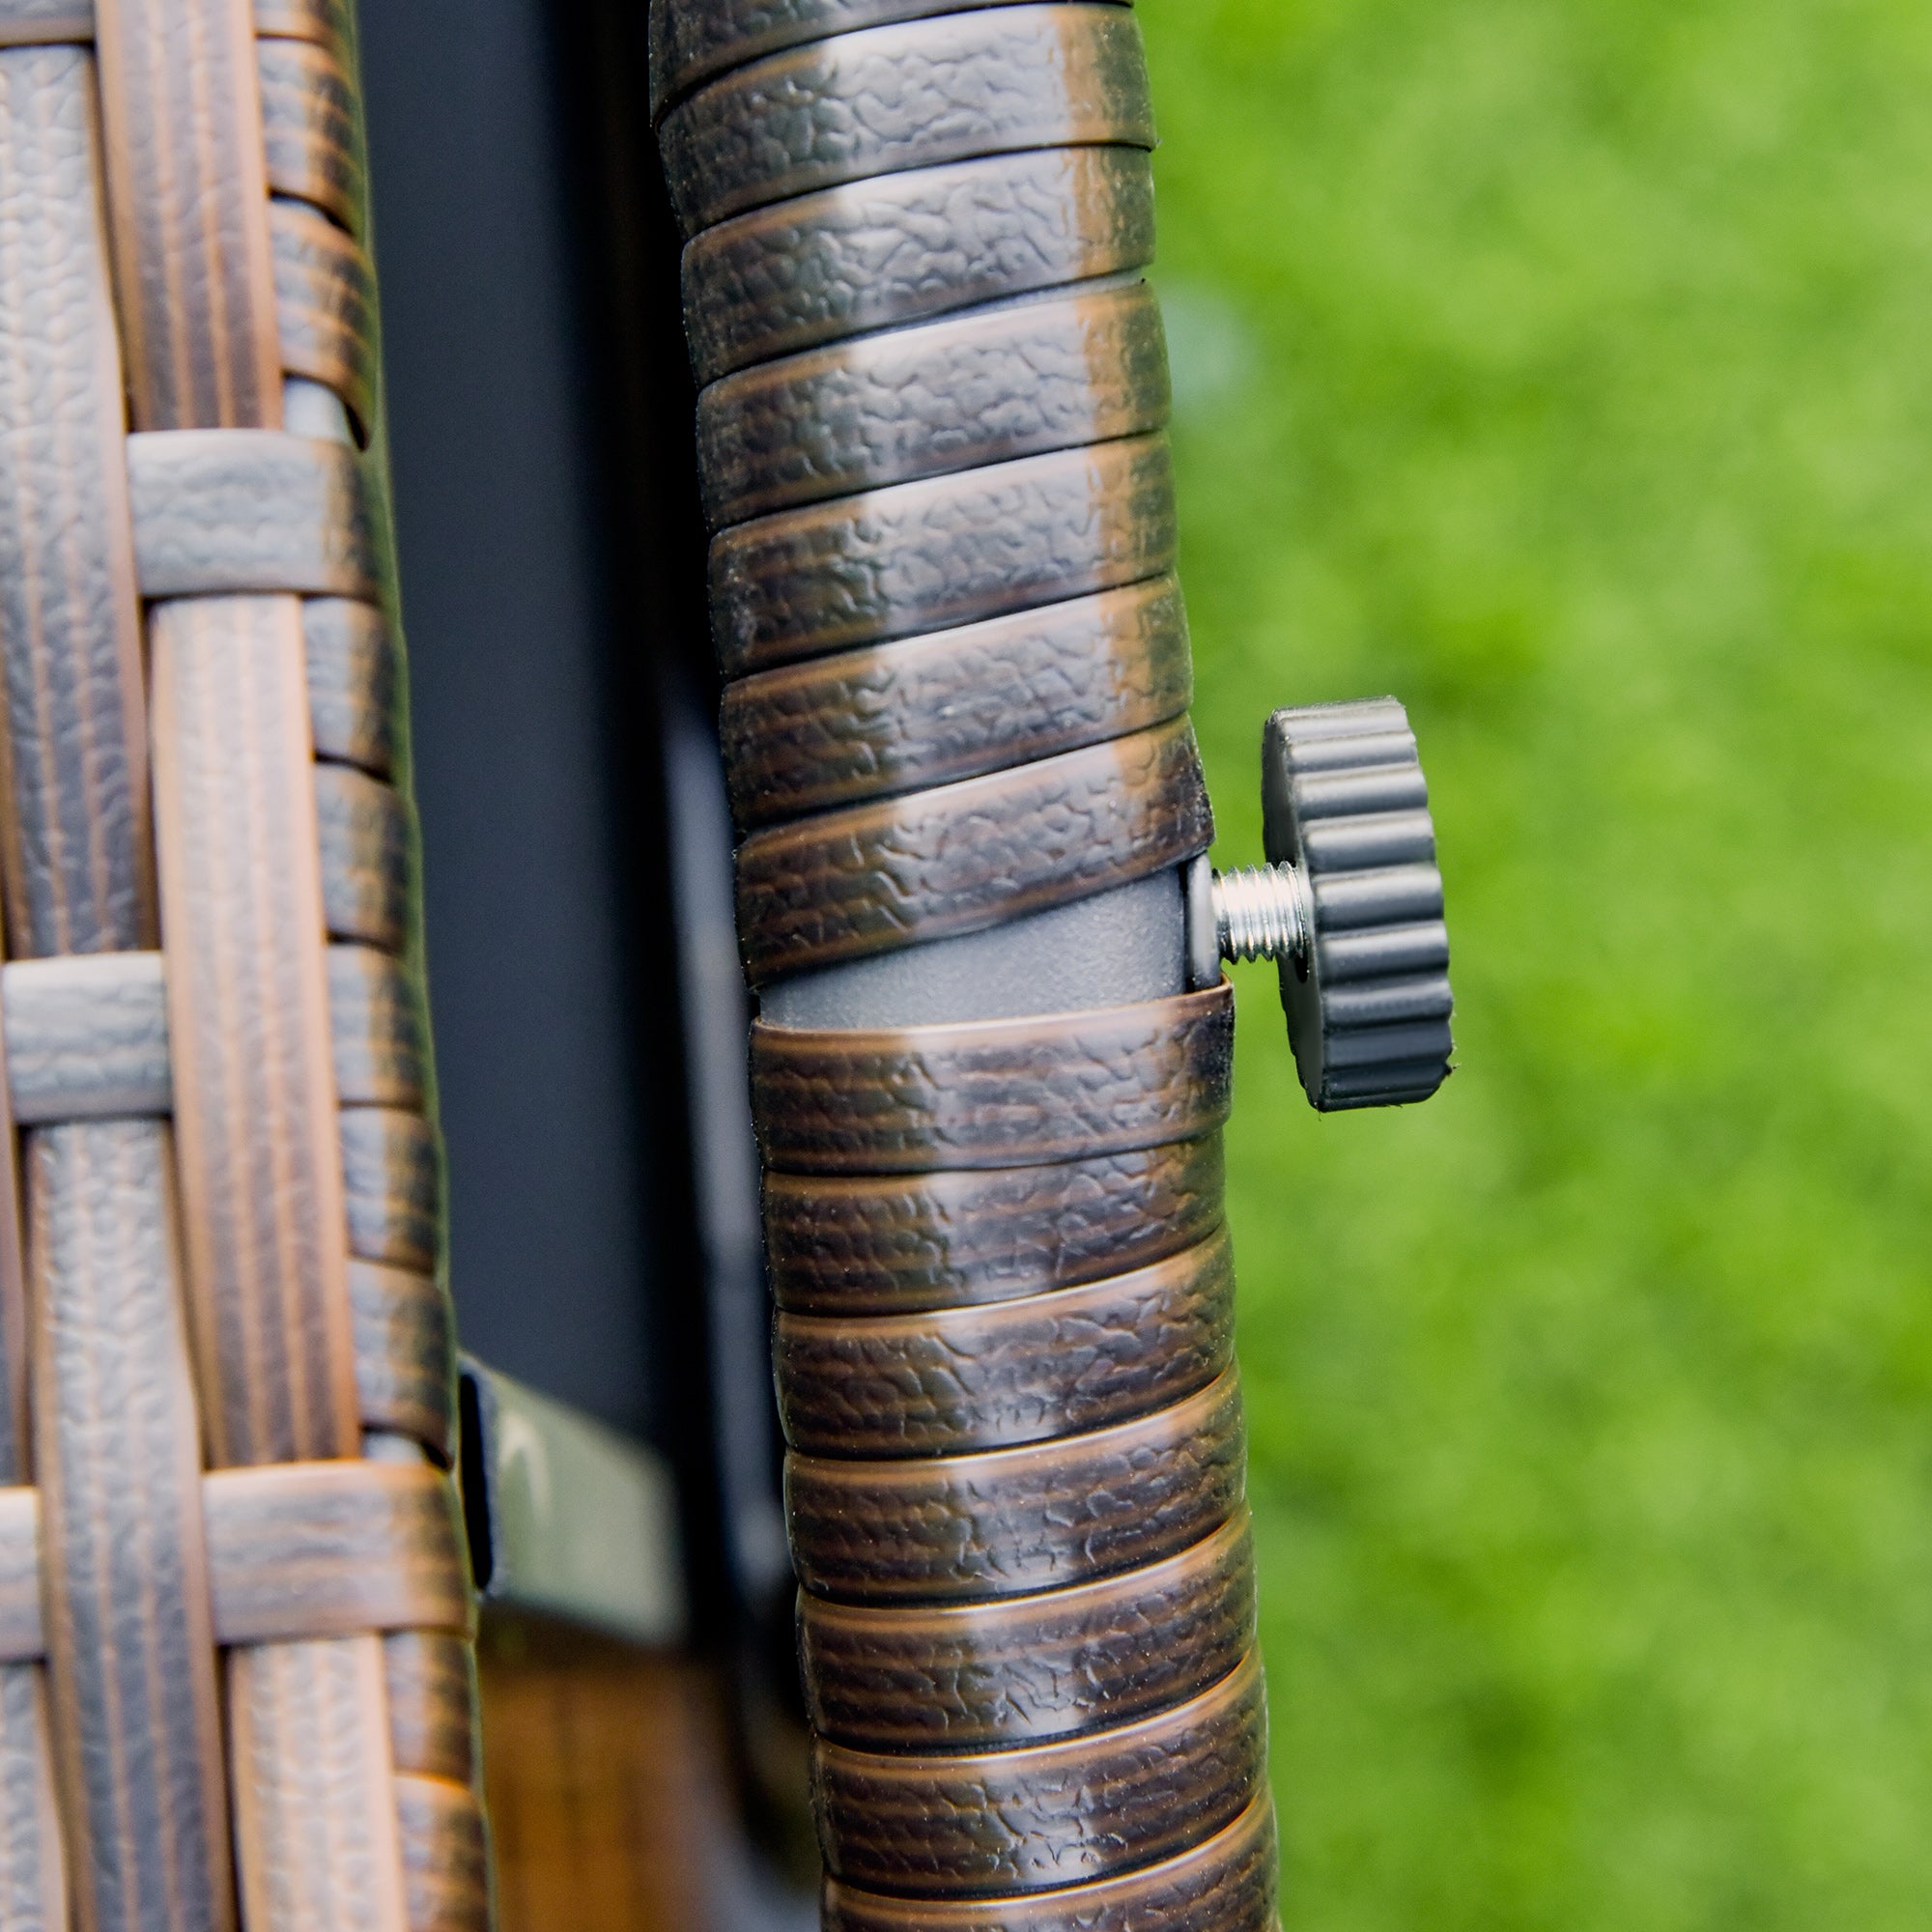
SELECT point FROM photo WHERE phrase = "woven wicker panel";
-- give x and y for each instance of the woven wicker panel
(235, 1608)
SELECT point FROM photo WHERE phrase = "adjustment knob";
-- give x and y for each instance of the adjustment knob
(1344, 803)
(1350, 905)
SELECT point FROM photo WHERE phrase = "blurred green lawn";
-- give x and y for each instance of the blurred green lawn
(1565, 366)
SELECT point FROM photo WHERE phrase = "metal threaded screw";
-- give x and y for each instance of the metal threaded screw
(1260, 913)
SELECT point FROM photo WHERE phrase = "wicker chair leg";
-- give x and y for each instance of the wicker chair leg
(932, 435)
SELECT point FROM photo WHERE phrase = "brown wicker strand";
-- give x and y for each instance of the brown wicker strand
(116, 1435)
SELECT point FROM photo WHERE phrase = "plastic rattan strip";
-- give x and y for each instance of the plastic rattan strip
(690, 43)
(903, 247)
(1010, 1372)
(914, 94)
(1012, 1521)
(188, 194)
(1046, 1815)
(886, 1244)
(979, 388)
(994, 1093)
(943, 550)
(954, 705)
(1226, 1885)
(962, 857)
(985, 1675)
(137, 1742)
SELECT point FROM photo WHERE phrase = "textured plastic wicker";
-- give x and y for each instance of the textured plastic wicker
(239, 1683)
(931, 440)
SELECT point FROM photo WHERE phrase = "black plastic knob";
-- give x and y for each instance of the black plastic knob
(1366, 992)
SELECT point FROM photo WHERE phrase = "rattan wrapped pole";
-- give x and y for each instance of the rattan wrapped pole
(954, 723)
(253, 1605)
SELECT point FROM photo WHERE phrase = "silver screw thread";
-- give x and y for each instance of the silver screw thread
(1260, 913)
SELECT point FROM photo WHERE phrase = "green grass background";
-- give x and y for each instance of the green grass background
(1565, 366)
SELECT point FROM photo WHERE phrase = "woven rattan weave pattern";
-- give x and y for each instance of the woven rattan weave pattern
(933, 449)
(248, 1693)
